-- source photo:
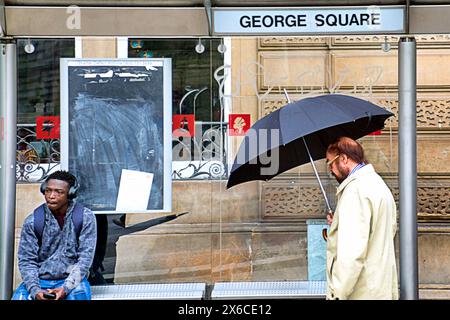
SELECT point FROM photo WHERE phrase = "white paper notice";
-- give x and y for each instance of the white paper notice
(134, 190)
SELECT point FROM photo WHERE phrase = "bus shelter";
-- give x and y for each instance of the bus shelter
(123, 26)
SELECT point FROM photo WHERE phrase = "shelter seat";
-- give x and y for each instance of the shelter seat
(147, 291)
(270, 289)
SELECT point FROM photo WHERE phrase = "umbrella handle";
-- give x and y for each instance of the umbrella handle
(317, 176)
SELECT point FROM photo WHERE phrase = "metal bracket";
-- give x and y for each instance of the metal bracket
(207, 5)
(2, 18)
(4, 40)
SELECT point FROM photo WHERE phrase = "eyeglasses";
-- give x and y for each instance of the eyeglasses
(329, 163)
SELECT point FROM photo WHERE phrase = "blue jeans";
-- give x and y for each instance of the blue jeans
(81, 292)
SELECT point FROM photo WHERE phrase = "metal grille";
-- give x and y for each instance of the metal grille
(198, 158)
(149, 291)
(35, 159)
(276, 289)
(203, 156)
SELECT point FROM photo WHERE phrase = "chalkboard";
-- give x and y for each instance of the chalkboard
(116, 114)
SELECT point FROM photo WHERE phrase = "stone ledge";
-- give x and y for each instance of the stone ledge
(438, 291)
(208, 228)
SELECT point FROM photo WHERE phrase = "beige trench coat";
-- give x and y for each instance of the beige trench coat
(360, 248)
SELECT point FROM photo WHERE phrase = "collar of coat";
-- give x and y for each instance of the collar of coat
(368, 168)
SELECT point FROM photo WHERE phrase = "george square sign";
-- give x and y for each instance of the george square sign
(326, 20)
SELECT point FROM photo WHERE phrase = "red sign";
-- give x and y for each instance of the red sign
(375, 133)
(183, 125)
(47, 127)
(238, 124)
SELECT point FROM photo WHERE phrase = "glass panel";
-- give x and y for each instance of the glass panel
(38, 95)
(197, 66)
(270, 230)
(194, 89)
(258, 230)
(38, 76)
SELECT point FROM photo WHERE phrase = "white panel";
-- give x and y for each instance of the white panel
(122, 47)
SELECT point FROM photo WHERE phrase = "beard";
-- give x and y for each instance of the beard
(341, 176)
(339, 179)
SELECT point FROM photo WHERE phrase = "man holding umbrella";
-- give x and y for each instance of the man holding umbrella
(360, 254)
(360, 247)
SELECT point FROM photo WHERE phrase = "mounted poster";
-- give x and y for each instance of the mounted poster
(116, 116)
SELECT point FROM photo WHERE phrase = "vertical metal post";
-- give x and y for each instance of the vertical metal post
(2, 18)
(8, 132)
(407, 168)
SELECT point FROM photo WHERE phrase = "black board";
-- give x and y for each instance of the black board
(116, 115)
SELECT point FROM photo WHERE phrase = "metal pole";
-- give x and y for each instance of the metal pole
(407, 168)
(8, 133)
(317, 176)
(2, 18)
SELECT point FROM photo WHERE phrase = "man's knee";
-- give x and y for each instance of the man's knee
(81, 292)
(21, 293)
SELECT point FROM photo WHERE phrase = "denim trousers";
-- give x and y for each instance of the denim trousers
(81, 292)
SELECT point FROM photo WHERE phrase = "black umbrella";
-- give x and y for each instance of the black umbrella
(301, 132)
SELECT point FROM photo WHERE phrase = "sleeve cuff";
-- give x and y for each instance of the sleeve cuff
(34, 291)
(66, 289)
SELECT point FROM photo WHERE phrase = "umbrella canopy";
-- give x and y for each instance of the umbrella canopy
(277, 142)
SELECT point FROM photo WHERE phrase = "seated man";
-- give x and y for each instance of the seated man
(57, 244)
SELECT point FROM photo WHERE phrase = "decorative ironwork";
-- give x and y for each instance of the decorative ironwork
(203, 156)
(200, 157)
(35, 159)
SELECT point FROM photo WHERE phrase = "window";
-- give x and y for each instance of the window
(196, 83)
(38, 95)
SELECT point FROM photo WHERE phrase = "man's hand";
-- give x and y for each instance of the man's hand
(330, 218)
(45, 295)
(60, 293)
(40, 295)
